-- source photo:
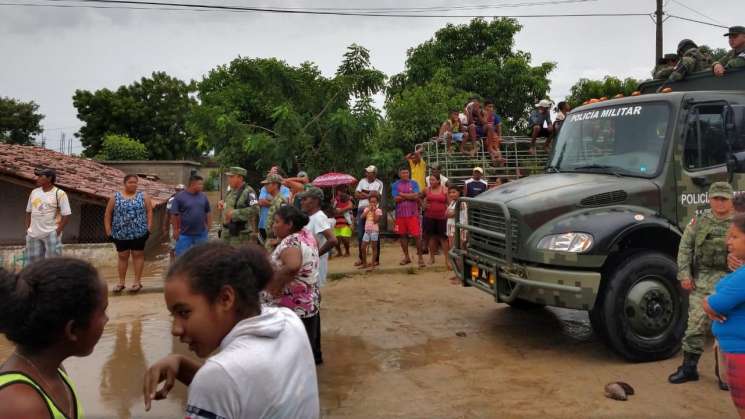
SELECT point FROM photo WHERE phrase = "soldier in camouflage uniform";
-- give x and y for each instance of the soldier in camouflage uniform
(702, 261)
(665, 67)
(273, 183)
(736, 57)
(691, 60)
(240, 209)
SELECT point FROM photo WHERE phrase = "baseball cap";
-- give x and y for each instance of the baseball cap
(235, 170)
(735, 30)
(180, 186)
(721, 190)
(544, 103)
(371, 169)
(312, 192)
(45, 171)
(272, 178)
(478, 169)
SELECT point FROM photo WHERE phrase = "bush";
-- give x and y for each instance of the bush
(120, 147)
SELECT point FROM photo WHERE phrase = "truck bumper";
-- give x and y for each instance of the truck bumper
(554, 287)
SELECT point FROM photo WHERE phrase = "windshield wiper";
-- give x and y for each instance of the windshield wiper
(613, 169)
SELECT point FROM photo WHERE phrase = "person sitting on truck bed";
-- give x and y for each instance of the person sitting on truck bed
(475, 185)
(451, 130)
(540, 125)
(665, 67)
(736, 57)
(691, 60)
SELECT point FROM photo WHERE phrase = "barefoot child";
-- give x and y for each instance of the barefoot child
(52, 310)
(259, 362)
(372, 216)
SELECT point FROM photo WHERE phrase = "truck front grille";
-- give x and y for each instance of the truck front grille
(490, 218)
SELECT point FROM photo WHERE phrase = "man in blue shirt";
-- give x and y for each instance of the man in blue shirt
(191, 216)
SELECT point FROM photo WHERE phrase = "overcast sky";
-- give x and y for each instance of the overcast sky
(49, 52)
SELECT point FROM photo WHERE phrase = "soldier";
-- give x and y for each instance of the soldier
(665, 67)
(273, 183)
(736, 57)
(702, 261)
(691, 60)
(240, 209)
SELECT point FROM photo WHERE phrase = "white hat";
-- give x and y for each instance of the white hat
(180, 186)
(478, 169)
(544, 103)
(371, 169)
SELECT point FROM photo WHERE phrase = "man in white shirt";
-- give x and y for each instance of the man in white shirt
(369, 185)
(310, 200)
(43, 227)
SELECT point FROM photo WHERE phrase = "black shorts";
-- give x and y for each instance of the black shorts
(543, 133)
(137, 244)
(434, 228)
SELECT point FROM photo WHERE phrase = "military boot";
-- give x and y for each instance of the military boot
(686, 372)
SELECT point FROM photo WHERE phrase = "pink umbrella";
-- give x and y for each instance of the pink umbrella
(329, 180)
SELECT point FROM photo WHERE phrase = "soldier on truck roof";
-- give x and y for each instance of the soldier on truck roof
(736, 57)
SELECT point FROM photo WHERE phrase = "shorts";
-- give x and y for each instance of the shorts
(185, 242)
(736, 378)
(434, 228)
(137, 244)
(407, 226)
(543, 133)
(370, 236)
(343, 231)
(458, 137)
(39, 248)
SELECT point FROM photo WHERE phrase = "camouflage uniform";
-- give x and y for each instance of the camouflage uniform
(702, 257)
(245, 211)
(665, 67)
(276, 203)
(691, 60)
(734, 58)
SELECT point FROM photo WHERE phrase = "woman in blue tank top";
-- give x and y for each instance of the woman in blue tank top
(128, 221)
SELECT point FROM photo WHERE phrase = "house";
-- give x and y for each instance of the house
(88, 184)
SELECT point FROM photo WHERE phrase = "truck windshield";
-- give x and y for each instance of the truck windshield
(623, 140)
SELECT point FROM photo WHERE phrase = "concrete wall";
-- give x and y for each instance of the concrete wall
(98, 254)
(170, 172)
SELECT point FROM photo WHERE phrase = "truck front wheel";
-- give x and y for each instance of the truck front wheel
(643, 308)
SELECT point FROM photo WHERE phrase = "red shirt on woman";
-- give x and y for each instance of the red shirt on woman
(437, 204)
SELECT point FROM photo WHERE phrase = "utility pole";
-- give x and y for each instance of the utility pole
(62, 143)
(658, 22)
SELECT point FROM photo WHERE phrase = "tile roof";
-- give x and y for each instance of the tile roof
(74, 174)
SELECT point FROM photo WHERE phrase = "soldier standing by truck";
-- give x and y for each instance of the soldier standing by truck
(736, 57)
(702, 261)
(240, 209)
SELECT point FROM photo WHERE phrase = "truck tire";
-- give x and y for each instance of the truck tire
(644, 308)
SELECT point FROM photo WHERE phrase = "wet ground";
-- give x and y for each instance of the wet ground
(414, 346)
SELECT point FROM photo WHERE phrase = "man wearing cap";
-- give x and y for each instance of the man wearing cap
(273, 185)
(240, 209)
(475, 185)
(298, 184)
(702, 261)
(691, 60)
(311, 200)
(665, 67)
(540, 125)
(435, 170)
(47, 213)
(265, 201)
(366, 187)
(736, 57)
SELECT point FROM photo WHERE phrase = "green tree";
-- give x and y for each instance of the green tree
(715, 53)
(154, 110)
(19, 121)
(586, 89)
(475, 58)
(120, 147)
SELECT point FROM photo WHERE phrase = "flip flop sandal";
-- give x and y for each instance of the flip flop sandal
(135, 288)
(119, 288)
(404, 262)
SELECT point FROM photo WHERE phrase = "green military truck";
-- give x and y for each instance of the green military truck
(599, 230)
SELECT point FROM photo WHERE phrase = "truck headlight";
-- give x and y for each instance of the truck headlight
(567, 242)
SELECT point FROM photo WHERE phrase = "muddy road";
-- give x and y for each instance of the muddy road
(414, 346)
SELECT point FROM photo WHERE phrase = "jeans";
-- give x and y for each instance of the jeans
(361, 233)
(43, 247)
(186, 241)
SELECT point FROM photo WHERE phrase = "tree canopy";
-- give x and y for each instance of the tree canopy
(120, 147)
(586, 89)
(153, 111)
(19, 121)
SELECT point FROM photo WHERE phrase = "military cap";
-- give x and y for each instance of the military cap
(686, 43)
(272, 178)
(311, 192)
(235, 170)
(735, 30)
(721, 190)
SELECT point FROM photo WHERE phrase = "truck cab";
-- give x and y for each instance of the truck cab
(599, 230)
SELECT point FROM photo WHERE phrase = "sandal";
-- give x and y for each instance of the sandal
(422, 264)
(135, 288)
(405, 262)
(119, 288)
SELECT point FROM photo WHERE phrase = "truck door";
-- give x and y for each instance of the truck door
(704, 160)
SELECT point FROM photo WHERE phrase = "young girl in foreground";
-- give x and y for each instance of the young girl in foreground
(726, 309)
(264, 366)
(52, 310)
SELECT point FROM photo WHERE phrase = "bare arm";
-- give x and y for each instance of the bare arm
(63, 222)
(108, 216)
(169, 369)
(330, 242)
(295, 185)
(28, 220)
(176, 223)
(22, 401)
(149, 213)
(292, 261)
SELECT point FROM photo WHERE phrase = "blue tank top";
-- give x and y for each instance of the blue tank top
(129, 220)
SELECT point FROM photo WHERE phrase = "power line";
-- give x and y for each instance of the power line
(697, 21)
(696, 11)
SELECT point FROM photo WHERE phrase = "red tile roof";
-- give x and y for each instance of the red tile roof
(74, 174)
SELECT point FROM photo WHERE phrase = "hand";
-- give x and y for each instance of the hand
(713, 315)
(398, 199)
(220, 204)
(176, 235)
(733, 262)
(228, 215)
(688, 284)
(718, 70)
(164, 370)
(59, 231)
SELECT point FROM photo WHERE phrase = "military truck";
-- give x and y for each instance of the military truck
(599, 230)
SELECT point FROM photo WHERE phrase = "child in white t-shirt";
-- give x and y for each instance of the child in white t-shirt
(371, 215)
